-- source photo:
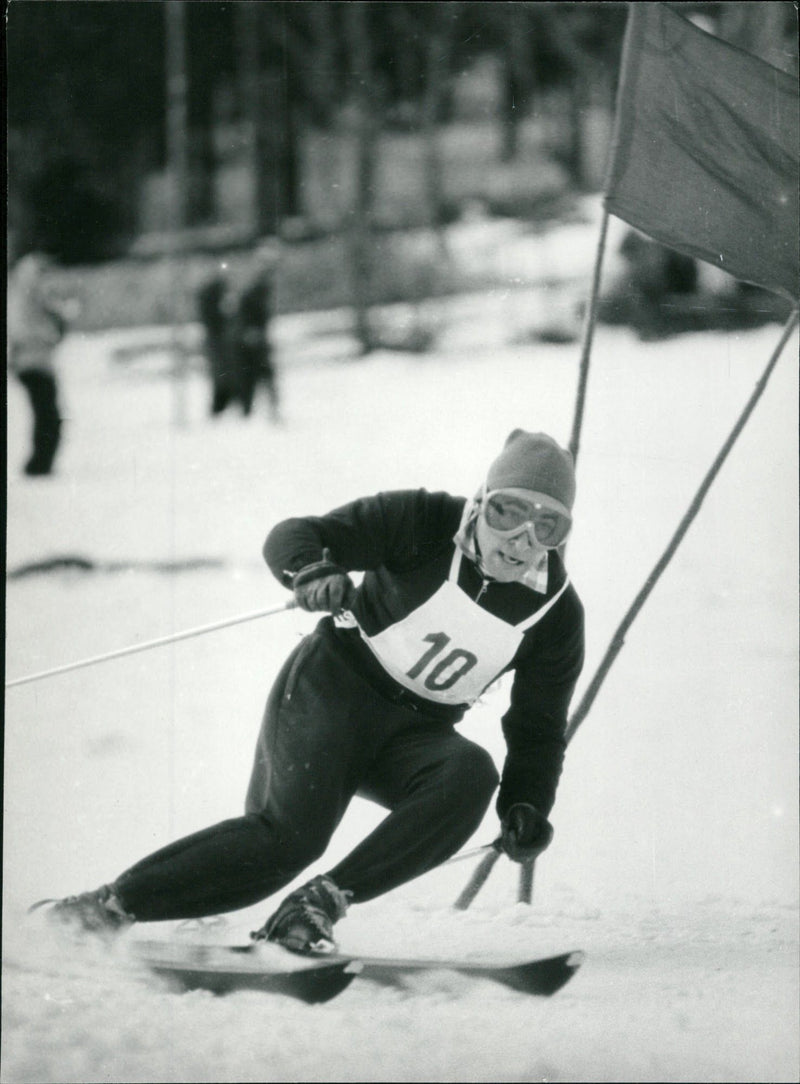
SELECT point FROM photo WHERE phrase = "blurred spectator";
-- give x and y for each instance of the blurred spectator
(656, 273)
(215, 305)
(659, 270)
(254, 359)
(661, 292)
(36, 325)
(655, 292)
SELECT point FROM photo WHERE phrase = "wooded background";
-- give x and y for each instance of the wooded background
(138, 128)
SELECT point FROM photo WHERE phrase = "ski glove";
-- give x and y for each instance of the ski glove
(525, 832)
(323, 585)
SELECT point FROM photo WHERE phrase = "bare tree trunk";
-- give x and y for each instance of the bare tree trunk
(409, 61)
(437, 72)
(201, 155)
(257, 89)
(437, 65)
(322, 74)
(289, 160)
(177, 113)
(576, 164)
(364, 93)
(177, 158)
(517, 79)
(202, 163)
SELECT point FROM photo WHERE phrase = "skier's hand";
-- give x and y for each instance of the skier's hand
(323, 585)
(525, 832)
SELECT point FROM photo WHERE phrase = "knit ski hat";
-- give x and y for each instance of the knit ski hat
(536, 463)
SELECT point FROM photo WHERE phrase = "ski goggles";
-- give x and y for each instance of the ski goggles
(508, 512)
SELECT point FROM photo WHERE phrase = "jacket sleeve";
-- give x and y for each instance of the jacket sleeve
(393, 529)
(535, 724)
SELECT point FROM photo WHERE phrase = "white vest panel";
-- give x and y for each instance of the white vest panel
(450, 649)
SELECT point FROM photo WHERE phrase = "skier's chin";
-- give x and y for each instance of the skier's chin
(505, 568)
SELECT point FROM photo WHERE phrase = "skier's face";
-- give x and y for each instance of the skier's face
(515, 529)
(508, 556)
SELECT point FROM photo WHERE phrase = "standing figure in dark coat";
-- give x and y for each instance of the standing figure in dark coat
(254, 359)
(213, 303)
(35, 328)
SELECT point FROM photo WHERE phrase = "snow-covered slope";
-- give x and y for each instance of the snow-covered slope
(675, 858)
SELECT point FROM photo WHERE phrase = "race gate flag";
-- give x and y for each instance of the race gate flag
(705, 151)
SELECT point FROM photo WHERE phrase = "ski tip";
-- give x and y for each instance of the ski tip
(547, 976)
(38, 905)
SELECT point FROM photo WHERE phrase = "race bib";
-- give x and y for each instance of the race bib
(450, 649)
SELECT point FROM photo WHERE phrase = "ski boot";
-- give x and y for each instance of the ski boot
(99, 912)
(304, 921)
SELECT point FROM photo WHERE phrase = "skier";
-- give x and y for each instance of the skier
(455, 592)
(36, 325)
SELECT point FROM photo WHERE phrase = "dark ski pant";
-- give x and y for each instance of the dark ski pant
(326, 736)
(255, 367)
(41, 388)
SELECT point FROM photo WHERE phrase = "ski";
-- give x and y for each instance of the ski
(224, 969)
(542, 976)
(256, 966)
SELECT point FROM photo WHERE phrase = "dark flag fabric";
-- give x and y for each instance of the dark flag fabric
(706, 149)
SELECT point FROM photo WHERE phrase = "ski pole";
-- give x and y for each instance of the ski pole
(473, 852)
(171, 639)
(525, 888)
(478, 879)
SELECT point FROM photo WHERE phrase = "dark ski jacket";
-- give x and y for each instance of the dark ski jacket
(403, 541)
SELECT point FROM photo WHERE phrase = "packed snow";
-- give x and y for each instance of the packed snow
(675, 859)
